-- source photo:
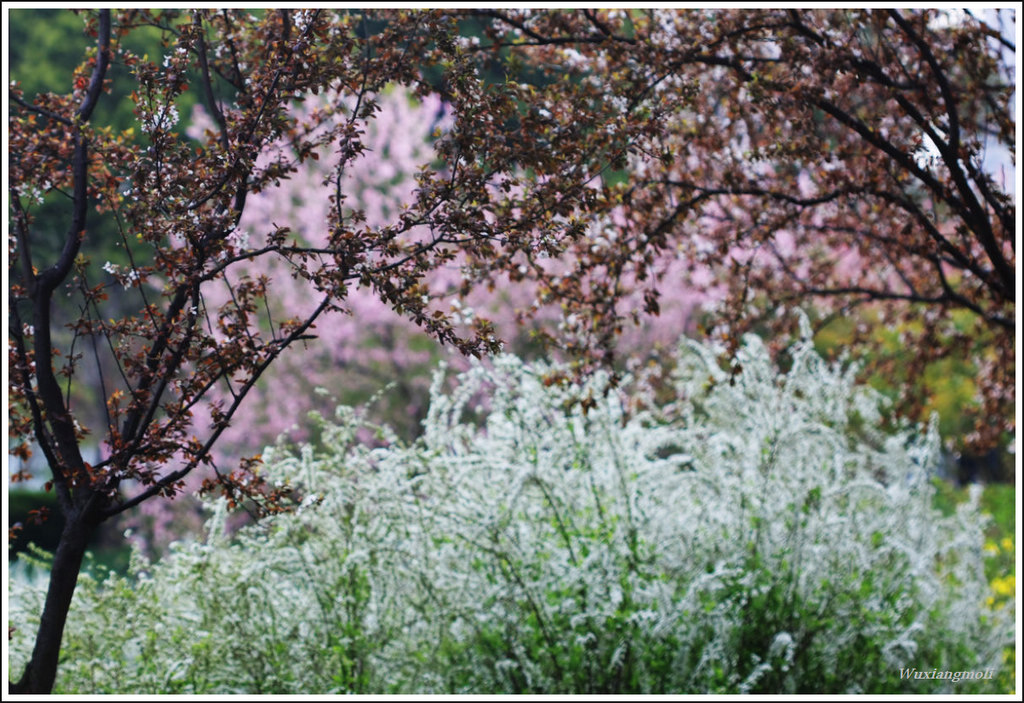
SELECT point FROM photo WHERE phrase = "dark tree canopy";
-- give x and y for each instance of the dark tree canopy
(846, 159)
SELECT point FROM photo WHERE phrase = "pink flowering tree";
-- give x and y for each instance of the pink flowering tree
(368, 347)
(361, 350)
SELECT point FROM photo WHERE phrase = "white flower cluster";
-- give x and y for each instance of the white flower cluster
(127, 278)
(162, 120)
(759, 533)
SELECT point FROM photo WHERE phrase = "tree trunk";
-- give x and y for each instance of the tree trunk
(41, 670)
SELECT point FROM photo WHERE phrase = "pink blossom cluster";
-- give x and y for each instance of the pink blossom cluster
(370, 345)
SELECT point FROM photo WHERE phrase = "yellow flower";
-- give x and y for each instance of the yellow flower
(991, 549)
(1007, 544)
(1005, 586)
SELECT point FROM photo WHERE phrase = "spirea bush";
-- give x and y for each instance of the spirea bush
(757, 532)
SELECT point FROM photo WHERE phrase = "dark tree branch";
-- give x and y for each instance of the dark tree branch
(211, 99)
(199, 456)
(48, 114)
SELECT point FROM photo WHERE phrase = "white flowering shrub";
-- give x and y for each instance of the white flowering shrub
(758, 533)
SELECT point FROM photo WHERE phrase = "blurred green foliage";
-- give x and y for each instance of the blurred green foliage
(108, 552)
(43, 534)
(999, 501)
(52, 43)
(46, 47)
(947, 385)
(50, 46)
